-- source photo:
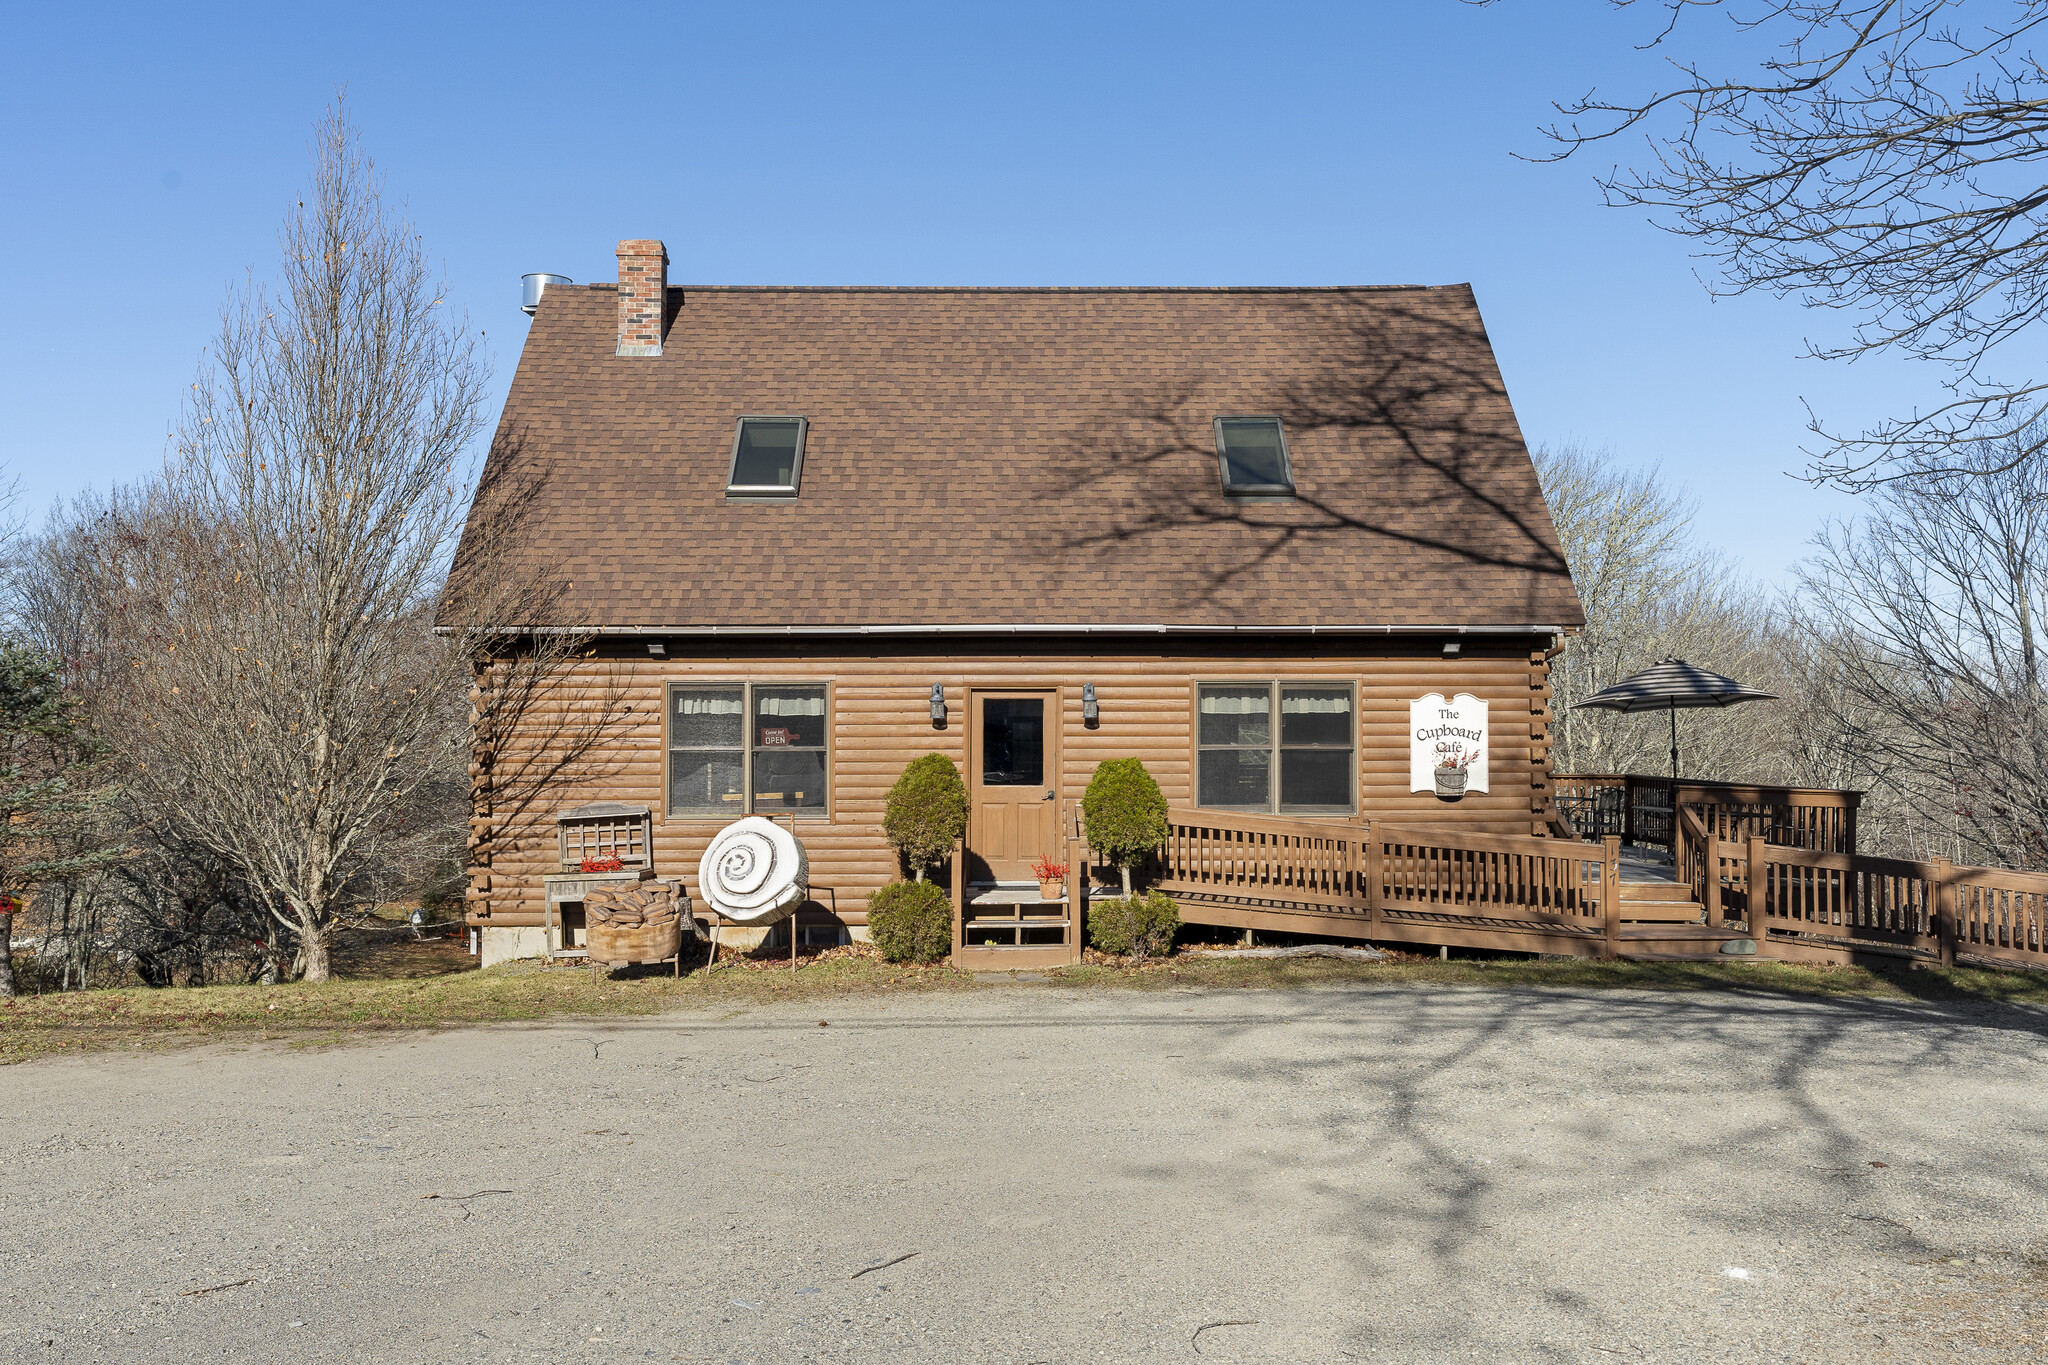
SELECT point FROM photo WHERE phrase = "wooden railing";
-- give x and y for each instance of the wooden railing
(1490, 875)
(1442, 885)
(1381, 881)
(1259, 857)
(1935, 910)
(1644, 810)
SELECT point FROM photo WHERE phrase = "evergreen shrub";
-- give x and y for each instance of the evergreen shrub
(1124, 813)
(926, 813)
(911, 922)
(1137, 926)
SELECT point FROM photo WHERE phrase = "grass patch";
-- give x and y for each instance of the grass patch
(336, 1011)
(81, 1021)
(1776, 978)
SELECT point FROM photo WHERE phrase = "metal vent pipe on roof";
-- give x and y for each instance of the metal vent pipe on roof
(532, 286)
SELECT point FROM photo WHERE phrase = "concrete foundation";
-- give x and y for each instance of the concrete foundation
(502, 944)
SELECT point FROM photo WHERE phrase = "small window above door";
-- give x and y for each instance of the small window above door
(767, 458)
(1253, 454)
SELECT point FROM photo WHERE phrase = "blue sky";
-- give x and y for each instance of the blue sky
(149, 153)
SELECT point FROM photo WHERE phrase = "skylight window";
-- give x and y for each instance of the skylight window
(1253, 453)
(767, 458)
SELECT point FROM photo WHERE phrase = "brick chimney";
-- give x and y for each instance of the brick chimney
(643, 288)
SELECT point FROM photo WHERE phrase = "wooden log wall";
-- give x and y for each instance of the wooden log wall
(879, 720)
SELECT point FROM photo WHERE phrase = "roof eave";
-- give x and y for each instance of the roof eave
(1035, 628)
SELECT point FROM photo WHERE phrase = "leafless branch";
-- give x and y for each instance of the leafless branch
(1882, 160)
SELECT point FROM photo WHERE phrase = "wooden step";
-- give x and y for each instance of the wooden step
(1655, 891)
(1680, 930)
(1662, 912)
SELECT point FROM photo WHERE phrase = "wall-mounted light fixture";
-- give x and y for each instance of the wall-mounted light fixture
(1450, 649)
(657, 649)
(938, 703)
(1091, 710)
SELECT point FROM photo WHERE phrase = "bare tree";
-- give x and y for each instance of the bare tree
(287, 703)
(1875, 158)
(1930, 611)
(1649, 591)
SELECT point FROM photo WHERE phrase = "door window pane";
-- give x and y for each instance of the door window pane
(789, 779)
(1236, 779)
(1013, 742)
(1315, 781)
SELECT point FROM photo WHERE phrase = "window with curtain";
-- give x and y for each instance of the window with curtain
(746, 748)
(1304, 765)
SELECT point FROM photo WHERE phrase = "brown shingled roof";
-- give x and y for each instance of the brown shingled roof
(1020, 457)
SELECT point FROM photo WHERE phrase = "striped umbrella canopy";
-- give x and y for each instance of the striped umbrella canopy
(1670, 686)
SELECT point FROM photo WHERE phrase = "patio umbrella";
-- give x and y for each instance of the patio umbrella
(1670, 686)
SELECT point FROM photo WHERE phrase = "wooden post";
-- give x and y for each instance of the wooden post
(960, 895)
(1710, 863)
(1855, 800)
(1077, 894)
(1610, 895)
(1759, 891)
(1370, 875)
(1945, 897)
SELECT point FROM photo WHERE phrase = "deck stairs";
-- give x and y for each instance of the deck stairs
(1662, 921)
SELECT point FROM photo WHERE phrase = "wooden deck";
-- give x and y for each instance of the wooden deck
(1772, 867)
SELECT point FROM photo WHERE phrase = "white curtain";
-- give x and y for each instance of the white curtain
(1247, 704)
(700, 705)
(791, 706)
(1315, 706)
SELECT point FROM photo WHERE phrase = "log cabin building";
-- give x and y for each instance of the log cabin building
(1239, 533)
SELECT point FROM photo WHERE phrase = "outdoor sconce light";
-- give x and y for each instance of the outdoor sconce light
(657, 649)
(1091, 710)
(938, 704)
(1450, 649)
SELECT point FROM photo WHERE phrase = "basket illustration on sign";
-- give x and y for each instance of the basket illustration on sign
(1452, 768)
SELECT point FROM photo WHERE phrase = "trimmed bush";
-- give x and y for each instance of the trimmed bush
(1138, 926)
(927, 812)
(1124, 813)
(911, 922)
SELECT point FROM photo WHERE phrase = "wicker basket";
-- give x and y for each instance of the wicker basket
(609, 943)
(1450, 781)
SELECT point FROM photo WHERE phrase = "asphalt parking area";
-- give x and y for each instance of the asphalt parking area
(1384, 1174)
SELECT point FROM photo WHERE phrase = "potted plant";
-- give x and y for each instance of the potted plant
(1052, 878)
(1451, 772)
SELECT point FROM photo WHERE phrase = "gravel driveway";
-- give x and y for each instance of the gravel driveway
(1378, 1174)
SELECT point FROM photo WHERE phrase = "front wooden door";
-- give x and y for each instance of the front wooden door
(1013, 783)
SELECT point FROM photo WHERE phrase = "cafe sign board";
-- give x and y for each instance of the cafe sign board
(1444, 733)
